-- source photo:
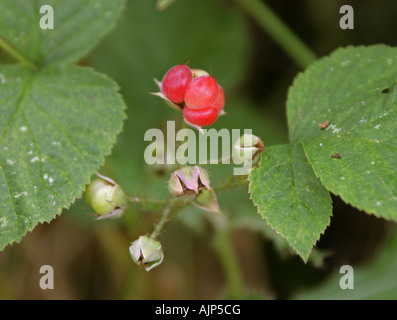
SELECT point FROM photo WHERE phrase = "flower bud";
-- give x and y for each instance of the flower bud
(248, 148)
(188, 181)
(146, 251)
(207, 201)
(106, 198)
(193, 184)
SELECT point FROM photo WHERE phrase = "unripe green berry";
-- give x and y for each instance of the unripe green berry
(92, 188)
(106, 197)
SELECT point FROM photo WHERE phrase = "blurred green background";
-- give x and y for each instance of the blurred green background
(91, 259)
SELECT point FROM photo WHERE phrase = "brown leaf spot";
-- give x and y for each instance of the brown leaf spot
(323, 125)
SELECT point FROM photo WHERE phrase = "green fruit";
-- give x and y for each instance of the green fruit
(92, 188)
(105, 197)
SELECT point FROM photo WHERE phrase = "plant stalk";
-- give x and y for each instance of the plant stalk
(279, 31)
(223, 246)
(161, 223)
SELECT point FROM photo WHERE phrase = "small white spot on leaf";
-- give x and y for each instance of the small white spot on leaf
(346, 63)
(3, 222)
(23, 193)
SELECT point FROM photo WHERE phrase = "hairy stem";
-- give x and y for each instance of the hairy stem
(164, 218)
(279, 31)
(149, 203)
(161, 223)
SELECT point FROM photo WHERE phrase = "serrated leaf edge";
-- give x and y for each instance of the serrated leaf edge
(305, 258)
(116, 88)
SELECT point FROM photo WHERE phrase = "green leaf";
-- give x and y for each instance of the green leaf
(290, 197)
(56, 126)
(355, 89)
(57, 122)
(78, 26)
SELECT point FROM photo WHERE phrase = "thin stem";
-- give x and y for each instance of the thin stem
(232, 182)
(223, 246)
(161, 223)
(279, 31)
(14, 53)
(148, 202)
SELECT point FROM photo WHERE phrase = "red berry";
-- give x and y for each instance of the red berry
(201, 92)
(220, 100)
(203, 117)
(175, 82)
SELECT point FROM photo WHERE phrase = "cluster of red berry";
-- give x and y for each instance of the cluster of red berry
(196, 92)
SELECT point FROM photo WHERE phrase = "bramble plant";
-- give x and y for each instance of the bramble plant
(58, 121)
